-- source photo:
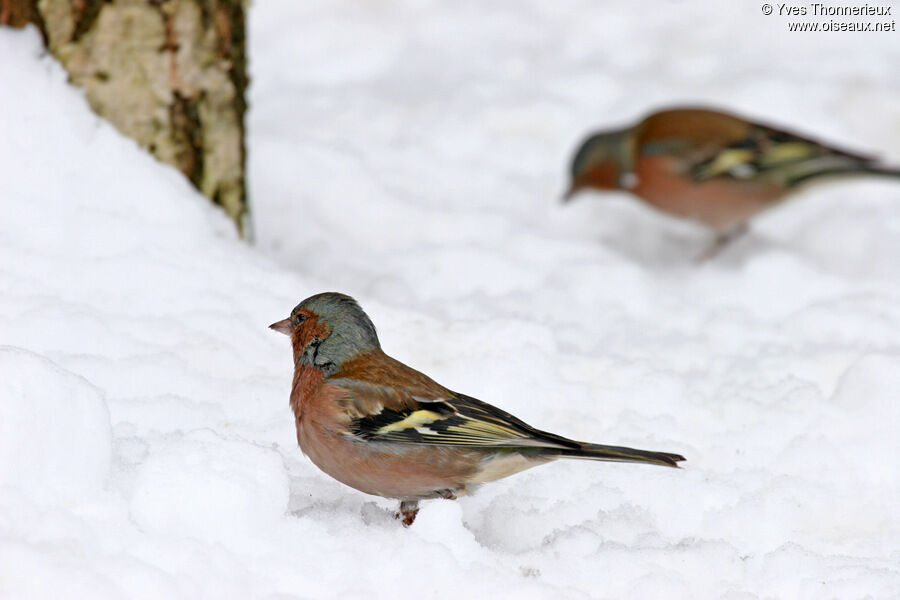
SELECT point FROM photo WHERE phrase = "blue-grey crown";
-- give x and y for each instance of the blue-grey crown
(352, 331)
(597, 148)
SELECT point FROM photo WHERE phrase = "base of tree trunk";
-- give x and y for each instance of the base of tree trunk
(171, 74)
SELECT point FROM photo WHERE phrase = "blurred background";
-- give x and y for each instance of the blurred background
(456, 125)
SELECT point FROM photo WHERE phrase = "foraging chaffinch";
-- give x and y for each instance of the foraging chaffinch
(379, 426)
(709, 166)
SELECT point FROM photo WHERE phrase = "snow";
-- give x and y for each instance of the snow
(413, 155)
(45, 404)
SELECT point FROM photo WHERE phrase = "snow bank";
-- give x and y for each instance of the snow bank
(55, 437)
(147, 447)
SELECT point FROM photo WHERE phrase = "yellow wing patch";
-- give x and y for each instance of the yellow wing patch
(725, 162)
(414, 419)
(484, 429)
(787, 152)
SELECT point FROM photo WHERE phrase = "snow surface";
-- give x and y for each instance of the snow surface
(413, 157)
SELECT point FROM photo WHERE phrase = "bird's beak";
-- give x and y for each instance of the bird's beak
(283, 326)
(573, 189)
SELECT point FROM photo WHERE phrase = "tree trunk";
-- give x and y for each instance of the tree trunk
(170, 74)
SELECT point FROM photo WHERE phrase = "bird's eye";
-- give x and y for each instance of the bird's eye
(299, 318)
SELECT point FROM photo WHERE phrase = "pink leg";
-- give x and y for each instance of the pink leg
(408, 511)
(722, 240)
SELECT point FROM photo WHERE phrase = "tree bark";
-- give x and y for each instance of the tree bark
(171, 74)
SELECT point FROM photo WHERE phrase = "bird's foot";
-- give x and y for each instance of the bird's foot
(722, 240)
(408, 511)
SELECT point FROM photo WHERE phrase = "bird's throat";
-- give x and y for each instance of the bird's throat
(307, 380)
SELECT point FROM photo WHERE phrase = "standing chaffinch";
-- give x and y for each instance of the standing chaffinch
(709, 166)
(379, 426)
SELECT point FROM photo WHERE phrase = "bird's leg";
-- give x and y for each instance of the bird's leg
(722, 239)
(408, 511)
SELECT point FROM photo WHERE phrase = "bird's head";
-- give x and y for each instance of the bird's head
(602, 162)
(327, 330)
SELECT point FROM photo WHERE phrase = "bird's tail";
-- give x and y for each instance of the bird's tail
(622, 454)
(881, 171)
(842, 170)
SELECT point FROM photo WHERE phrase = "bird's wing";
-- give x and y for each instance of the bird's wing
(389, 414)
(712, 144)
(771, 152)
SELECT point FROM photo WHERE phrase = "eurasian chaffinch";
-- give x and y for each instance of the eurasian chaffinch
(379, 426)
(709, 166)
